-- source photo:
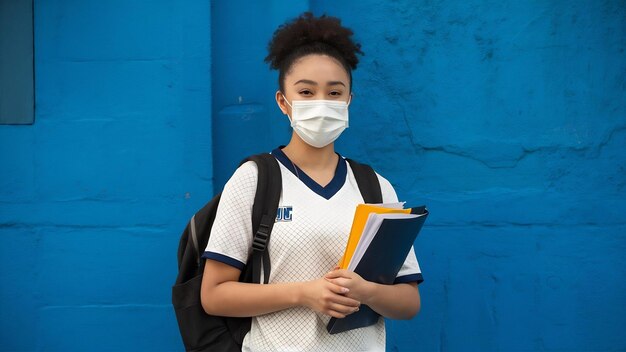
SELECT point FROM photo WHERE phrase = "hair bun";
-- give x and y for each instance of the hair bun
(308, 30)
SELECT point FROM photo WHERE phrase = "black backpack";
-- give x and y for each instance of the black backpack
(199, 330)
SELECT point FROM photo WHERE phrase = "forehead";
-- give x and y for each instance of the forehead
(317, 67)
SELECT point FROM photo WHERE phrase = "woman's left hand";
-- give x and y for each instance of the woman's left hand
(360, 289)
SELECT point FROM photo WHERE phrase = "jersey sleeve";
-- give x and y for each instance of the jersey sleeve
(410, 271)
(231, 234)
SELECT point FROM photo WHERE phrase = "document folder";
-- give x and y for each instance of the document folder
(381, 263)
(358, 224)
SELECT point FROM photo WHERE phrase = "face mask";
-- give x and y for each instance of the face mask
(318, 122)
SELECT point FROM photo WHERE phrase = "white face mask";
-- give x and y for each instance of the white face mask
(318, 122)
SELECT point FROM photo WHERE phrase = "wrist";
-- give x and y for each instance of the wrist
(369, 291)
(297, 294)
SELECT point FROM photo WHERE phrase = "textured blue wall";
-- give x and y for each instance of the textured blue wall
(508, 119)
(243, 85)
(94, 195)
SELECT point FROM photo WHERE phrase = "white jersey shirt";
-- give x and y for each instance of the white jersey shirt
(308, 240)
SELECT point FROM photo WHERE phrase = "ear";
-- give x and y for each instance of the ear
(280, 101)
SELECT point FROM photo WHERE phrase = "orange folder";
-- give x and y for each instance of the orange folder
(358, 223)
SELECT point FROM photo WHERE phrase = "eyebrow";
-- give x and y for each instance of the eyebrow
(330, 83)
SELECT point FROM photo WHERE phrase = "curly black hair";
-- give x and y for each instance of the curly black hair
(307, 35)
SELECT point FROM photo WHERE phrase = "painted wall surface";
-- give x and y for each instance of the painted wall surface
(507, 119)
(243, 85)
(94, 195)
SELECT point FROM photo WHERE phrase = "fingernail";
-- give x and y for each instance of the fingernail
(345, 290)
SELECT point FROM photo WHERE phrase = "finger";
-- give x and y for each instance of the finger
(340, 308)
(344, 301)
(345, 310)
(344, 272)
(339, 273)
(331, 275)
(341, 282)
(338, 289)
(335, 314)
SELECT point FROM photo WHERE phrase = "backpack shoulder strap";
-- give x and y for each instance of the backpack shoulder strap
(367, 181)
(269, 187)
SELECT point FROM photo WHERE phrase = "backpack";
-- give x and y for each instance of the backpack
(199, 330)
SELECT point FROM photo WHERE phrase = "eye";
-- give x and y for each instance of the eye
(335, 93)
(306, 92)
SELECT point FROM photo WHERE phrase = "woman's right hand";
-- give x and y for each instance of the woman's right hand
(328, 298)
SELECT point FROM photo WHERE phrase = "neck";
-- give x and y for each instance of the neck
(308, 157)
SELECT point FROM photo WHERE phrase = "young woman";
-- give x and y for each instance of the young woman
(314, 57)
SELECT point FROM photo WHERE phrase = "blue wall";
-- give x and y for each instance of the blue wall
(508, 119)
(94, 195)
(243, 85)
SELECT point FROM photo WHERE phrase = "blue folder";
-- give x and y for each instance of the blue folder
(381, 263)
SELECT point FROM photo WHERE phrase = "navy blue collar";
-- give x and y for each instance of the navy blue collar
(331, 188)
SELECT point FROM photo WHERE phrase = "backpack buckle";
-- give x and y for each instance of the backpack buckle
(262, 235)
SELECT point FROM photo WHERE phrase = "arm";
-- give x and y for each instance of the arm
(222, 294)
(399, 301)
